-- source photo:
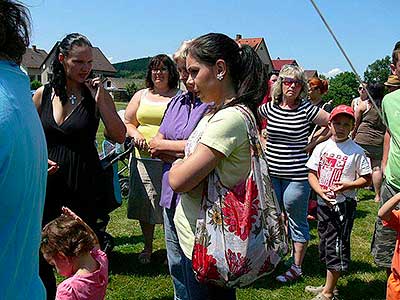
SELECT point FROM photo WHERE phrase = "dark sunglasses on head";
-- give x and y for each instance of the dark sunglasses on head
(289, 81)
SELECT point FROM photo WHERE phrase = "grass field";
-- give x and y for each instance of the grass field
(130, 280)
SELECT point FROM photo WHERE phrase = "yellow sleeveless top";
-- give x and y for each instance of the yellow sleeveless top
(149, 116)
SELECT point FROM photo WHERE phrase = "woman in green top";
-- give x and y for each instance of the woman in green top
(226, 74)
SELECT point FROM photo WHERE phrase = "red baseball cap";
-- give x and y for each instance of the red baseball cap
(342, 109)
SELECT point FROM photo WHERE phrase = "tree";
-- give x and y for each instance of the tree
(342, 89)
(35, 84)
(131, 88)
(378, 71)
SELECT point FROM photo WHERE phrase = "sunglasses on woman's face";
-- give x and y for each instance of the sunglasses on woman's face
(289, 81)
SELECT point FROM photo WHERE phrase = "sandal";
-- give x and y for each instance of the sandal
(293, 274)
(144, 257)
(318, 289)
(320, 296)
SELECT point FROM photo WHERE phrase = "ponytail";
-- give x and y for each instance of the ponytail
(252, 81)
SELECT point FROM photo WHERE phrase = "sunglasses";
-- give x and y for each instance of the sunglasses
(162, 70)
(289, 81)
(360, 88)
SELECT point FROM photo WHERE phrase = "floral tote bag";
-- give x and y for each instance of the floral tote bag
(240, 236)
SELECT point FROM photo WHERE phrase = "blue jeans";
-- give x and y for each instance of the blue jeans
(293, 199)
(175, 256)
(199, 291)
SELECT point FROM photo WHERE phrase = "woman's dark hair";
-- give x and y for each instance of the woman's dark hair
(15, 30)
(377, 92)
(59, 81)
(155, 62)
(245, 68)
(67, 235)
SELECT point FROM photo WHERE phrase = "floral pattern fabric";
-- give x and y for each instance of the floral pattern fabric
(239, 233)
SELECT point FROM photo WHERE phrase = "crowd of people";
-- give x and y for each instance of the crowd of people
(51, 189)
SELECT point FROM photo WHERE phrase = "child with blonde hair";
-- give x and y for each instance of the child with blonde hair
(72, 247)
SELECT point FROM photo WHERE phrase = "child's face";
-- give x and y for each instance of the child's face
(62, 263)
(341, 126)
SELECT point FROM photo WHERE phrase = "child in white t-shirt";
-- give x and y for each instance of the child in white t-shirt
(337, 168)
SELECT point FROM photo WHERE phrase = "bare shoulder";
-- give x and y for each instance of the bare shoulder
(37, 97)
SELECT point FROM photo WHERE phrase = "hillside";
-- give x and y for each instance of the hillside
(135, 68)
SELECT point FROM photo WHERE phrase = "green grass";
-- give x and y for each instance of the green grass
(130, 280)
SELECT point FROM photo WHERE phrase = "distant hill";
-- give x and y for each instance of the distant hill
(135, 68)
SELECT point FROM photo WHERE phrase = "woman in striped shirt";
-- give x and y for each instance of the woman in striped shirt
(289, 117)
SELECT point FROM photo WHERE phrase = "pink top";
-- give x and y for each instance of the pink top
(88, 286)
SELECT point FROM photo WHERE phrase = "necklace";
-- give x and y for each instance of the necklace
(72, 99)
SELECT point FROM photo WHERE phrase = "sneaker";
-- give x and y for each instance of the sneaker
(293, 274)
(318, 289)
(320, 296)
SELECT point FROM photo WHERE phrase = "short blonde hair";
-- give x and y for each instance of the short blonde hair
(181, 53)
(289, 71)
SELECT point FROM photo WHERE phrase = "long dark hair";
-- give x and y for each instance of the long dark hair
(14, 30)
(58, 81)
(245, 67)
(155, 62)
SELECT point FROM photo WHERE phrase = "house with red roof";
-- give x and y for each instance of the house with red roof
(259, 45)
(279, 63)
(31, 62)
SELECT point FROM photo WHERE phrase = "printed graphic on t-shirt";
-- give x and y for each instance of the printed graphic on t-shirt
(330, 168)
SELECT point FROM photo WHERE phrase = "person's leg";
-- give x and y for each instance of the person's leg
(384, 238)
(295, 199)
(174, 255)
(332, 278)
(196, 290)
(148, 233)
(377, 182)
(219, 293)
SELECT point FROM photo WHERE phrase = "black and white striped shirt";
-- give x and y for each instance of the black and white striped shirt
(287, 135)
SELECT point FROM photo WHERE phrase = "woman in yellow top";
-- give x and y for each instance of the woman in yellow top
(142, 119)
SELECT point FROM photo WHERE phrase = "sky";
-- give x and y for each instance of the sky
(292, 29)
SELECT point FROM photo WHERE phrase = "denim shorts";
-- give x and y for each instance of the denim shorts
(293, 200)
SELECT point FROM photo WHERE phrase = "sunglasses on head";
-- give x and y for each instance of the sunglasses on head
(289, 81)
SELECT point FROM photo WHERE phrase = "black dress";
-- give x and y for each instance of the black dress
(72, 146)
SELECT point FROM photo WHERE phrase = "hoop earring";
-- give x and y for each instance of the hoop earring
(220, 76)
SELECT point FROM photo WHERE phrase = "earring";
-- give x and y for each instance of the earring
(220, 76)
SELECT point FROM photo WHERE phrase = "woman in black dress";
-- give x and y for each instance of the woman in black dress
(70, 108)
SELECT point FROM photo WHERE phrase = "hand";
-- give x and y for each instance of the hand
(52, 167)
(140, 142)
(154, 146)
(340, 186)
(95, 87)
(308, 149)
(329, 197)
(69, 213)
